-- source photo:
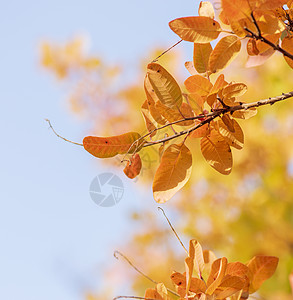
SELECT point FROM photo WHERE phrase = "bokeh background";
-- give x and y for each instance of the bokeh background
(81, 65)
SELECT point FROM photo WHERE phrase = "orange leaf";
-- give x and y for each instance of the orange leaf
(236, 9)
(200, 132)
(164, 85)
(245, 113)
(287, 44)
(133, 167)
(149, 120)
(224, 52)
(269, 24)
(198, 84)
(229, 286)
(217, 152)
(173, 172)
(103, 147)
(221, 273)
(196, 29)
(206, 9)
(262, 268)
(190, 67)
(201, 55)
(234, 90)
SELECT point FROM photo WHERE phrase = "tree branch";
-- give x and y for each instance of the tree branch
(260, 37)
(216, 113)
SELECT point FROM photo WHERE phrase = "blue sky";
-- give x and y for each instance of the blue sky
(53, 237)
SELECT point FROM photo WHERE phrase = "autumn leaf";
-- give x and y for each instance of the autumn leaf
(173, 172)
(262, 268)
(224, 52)
(133, 166)
(287, 44)
(149, 120)
(196, 29)
(201, 55)
(245, 114)
(236, 9)
(198, 84)
(206, 9)
(217, 152)
(103, 147)
(234, 90)
(164, 85)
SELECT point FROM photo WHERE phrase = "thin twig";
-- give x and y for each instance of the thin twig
(156, 59)
(61, 137)
(172, 228)
(116, 253)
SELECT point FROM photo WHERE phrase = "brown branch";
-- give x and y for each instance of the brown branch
(61, 137)
(260, 37)
(156, 59)
(216, 113)
(116, 253)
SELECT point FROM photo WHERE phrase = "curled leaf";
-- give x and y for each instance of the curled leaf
(133, 166)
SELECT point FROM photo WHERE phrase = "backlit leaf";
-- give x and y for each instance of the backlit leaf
(173, 172)
(164, 85)
(287, 44)
(103, 147)
(198, 84)
(236, 9)
(245, 114)
(269, 24)
(196, 29)
(201, 55)
(262, 268)
(217, 152)
(149, 120)
(133, 167)
(226, 49)
(234, 90)
(206, 9)
(190, 68)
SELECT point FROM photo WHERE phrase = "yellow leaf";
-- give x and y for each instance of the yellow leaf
(198, 84)
(217, 152)
(133, 167)
(196, 102)
(173, 172)
(201, 55)
(149, 120)
(226, 49)
(234, 90)
(196, 29)
(214, 283)
(164, 85)
(151, 101)
(262, 268)
(236, 9)
(269, 24)
(206, 9)
(173, 115)
(103, 147)
(200, 132)
(190, 67)
(245, 113)
(229, 286)
(287, 44)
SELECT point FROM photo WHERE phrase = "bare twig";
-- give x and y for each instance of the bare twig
(174, 231)
(61, 137)
(116, 253)
(156, 59)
